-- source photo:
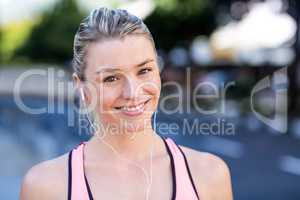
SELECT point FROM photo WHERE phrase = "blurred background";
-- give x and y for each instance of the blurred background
(256, 130)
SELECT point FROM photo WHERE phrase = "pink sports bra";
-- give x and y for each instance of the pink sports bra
(183, 184)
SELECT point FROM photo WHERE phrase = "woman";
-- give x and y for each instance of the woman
(117, 74)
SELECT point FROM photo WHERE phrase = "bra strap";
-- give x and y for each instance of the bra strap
(185, 187)
(76, 179)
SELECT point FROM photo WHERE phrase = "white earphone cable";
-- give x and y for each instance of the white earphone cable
(148, 177)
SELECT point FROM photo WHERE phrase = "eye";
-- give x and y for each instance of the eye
(145, 70)
(110, 79)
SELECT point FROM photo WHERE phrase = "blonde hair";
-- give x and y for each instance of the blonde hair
(104, 23)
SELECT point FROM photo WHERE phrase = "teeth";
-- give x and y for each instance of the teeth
(131, 109)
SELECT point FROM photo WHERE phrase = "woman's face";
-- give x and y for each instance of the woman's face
(123, 82)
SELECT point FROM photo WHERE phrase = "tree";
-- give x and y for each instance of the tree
(176, 21)
(52, 39)
(1, 47)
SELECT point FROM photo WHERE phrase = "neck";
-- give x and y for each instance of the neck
(135, 147)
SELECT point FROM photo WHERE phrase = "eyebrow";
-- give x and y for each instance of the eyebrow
(112, 69)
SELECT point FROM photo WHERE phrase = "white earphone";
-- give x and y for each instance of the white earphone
(149, 177)
(82, 94)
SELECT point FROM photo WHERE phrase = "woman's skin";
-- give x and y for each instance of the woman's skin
(109, 176)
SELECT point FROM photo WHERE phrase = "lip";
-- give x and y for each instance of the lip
(134, 112)
(131, 106)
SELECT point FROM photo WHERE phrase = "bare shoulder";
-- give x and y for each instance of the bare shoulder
(210, 173)
(205, 162)
(46, 180)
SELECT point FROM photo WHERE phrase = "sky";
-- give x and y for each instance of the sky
(17, 10)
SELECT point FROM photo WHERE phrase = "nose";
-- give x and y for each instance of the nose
(131, 89)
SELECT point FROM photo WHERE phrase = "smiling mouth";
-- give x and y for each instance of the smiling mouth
(133, 108)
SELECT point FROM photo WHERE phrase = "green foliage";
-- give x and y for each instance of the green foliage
(182, 8)
(12, 36)
(179, 21)
(52, 39)
(1, 47)
(172, 22)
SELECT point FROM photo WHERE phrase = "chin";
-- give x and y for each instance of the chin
(133, 130)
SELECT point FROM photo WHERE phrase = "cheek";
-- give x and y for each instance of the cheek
(107, 98)
(153, 87)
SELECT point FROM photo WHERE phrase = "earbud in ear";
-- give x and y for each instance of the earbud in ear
(82, 94)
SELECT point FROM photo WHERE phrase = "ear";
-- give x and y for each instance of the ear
(78, 84)
(80, 87)
(76, 81)
(160, 64)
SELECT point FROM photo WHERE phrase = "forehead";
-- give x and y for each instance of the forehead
(124, 52)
